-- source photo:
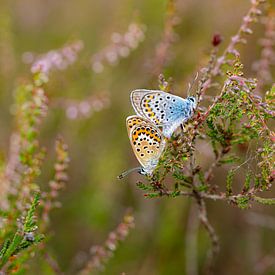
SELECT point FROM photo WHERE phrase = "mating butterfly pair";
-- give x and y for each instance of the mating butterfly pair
(155, 109)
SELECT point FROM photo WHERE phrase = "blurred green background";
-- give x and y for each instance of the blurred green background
(94, 201)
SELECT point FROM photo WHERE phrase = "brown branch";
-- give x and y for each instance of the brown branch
(53, 264)
(191, 239)
(213, 252)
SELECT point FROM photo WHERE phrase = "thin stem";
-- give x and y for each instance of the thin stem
(213, 252)
(191, 239)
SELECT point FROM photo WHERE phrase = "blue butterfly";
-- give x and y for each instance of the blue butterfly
(163, 109)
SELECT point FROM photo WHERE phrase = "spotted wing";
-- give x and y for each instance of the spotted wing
(163, 109)
(147, 142)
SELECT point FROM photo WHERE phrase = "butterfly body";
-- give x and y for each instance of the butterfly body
(163, 109)
(147, 142)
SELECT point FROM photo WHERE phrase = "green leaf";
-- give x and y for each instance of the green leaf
(266, 201)
(144, 187)
(30, 224)
(18, 237)
(243, 202)
(229, 159)
(180, 176)
(229, 181)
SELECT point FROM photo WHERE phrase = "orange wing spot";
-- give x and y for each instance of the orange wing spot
(156, 120)
(136, 134)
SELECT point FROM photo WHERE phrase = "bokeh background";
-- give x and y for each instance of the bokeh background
(94, 201)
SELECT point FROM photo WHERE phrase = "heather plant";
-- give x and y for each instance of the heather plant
(41, 229)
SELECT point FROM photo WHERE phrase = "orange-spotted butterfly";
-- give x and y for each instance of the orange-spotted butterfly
(147, 142)
(163, 109)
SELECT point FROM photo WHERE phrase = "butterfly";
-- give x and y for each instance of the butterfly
(147, 142)
(163, 109)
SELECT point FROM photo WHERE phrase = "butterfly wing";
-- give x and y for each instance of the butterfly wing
(162, 108)
(147, 142)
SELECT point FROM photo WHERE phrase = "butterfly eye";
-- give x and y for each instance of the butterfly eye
(192, 99)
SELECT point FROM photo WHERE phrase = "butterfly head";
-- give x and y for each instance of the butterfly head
(142, 171)
(193, 102)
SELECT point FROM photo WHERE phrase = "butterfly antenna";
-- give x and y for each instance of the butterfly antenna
(125, 173)
(190, 86)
